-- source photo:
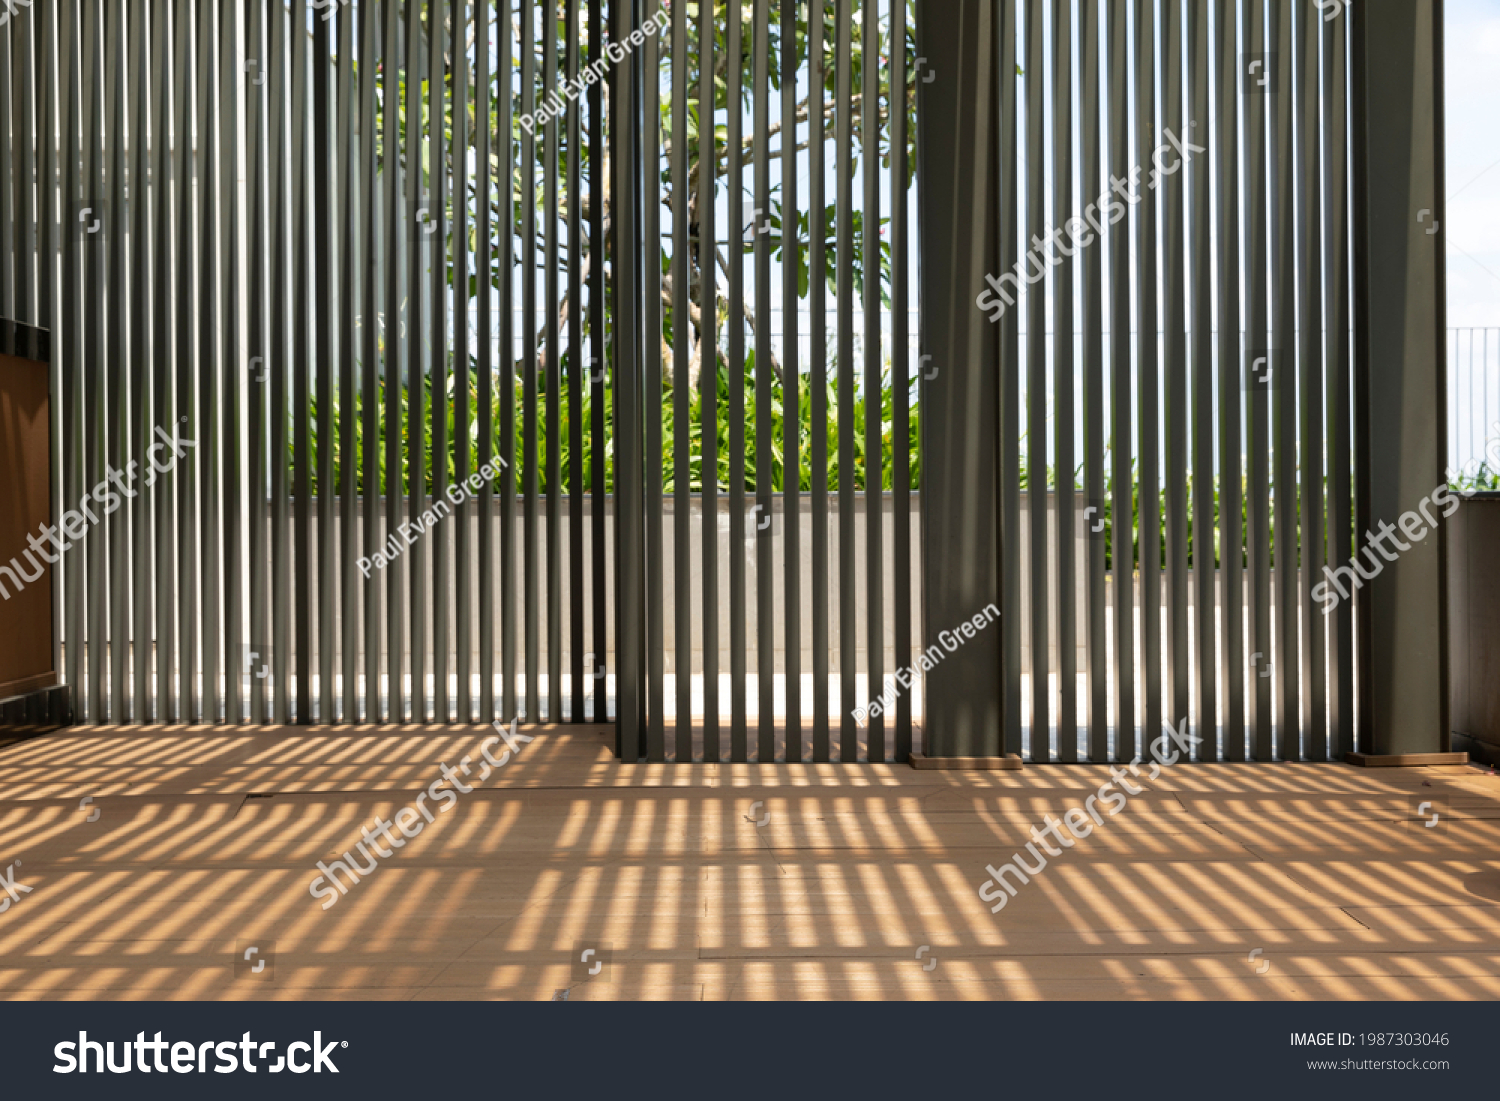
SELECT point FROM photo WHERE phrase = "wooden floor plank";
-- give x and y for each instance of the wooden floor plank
(156, 854)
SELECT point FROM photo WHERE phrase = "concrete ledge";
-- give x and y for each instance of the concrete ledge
(27, 685)
(1010, 762)
(40, 712)
(1404, 760)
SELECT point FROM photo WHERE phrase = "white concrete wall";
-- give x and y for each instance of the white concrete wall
(694, 592)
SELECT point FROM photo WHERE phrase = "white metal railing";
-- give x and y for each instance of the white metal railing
(1474, 404)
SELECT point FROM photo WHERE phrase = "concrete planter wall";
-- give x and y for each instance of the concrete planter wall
(1474, 627)
(695, 587)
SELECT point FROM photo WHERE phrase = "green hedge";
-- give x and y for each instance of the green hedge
(450, 406)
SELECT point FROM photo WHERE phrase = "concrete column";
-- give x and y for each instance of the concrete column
(1400, 430)
(958, 218)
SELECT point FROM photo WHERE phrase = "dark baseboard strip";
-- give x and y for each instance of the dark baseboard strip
(1011, 762)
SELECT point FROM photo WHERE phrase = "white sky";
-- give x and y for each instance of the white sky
(1472, 102)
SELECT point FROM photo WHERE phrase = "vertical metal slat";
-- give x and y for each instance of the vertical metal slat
(397, 321)
(437, 336)
(301, 360)
(463, 606)
(900, 386)
(1121, 527)
(682, 436)
(531, 583)
(1309, 354)
(1336, 341)
(598, 366)
(735, 283)
(346, 208)
(1091, 150)
(67, 348)
(376, 255)
(870, 248)
(170, 316)
(1178, 427)
(279, 75)
(1010, 390)
(95, 317)
(1284, 655)
(651, 347)
(818, 373)
(145, 78)
(552, 356)
(844, 257)
(708, 373)
(1231, 385)
(765, 608)
(575, 372)
(209, 454)
(258, 365)
(1064, 373)
(1037, 583)
(326, 366)
(420, 214)
(485, 140)
(117, 390)
(1200, 291)
(232, 373)
(1258, 443)
(1148, 369)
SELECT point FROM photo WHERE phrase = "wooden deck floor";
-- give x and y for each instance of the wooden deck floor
(723, 881)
